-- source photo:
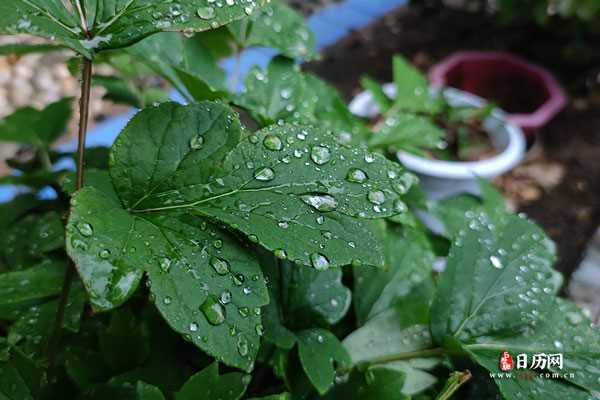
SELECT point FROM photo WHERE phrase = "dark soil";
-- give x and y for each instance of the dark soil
(570, 211)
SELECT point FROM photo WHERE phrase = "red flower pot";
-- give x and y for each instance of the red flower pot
(528, 93)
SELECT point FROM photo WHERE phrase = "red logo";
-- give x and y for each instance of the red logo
(506, 361)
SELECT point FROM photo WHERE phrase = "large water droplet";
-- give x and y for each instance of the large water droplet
(356, 175)
(272, 142)
(319, 261)
(225, 297)
(323, 203)
(242, 346)
(165, 264)
(85, 229)
(264, 174)
(196, 142)
(496, 263)
(206, 12)
(320, 155)
(286, 93)
(281, 254)
(213, 311)
(220, 266)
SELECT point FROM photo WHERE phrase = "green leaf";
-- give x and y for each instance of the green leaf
(278, 185)
(116, 23)
(274, 313)
(20, 378)
(496, 280)
(28, 241)
(283, 92)
(381, 99)
(279, 93)
(455, 212)
(98, 179)
(320, 352)
(385, 338)
(278, 26)
(21, 49)
(298, 187)
(409, 261)
(407, 132)
(313, 297)
(209, 385)
(117, 90)
(36, 127)
(536, 387)
(412, 89)
(38, 282)
(184, 62)
(562, 328)
(32, 331)
(191, 264)
(171, 145)
(46, 18)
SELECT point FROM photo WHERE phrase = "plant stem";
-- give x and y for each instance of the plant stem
(438, 351)
(456, 380)
(84, 111)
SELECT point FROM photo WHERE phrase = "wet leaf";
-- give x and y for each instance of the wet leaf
(279, 26)
(27, 242)
(320, 351)
(279, 93)
(204, 283)
(32, 330)
(504, 272)
(40, 128)
(20, 378)
(562, 328)
(455, 212)
(379, 96)
(278, 185)
(208, 384)
(407, 132)
(314, 298)
(35, 283)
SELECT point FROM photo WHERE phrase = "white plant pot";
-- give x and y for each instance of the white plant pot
(441, 179)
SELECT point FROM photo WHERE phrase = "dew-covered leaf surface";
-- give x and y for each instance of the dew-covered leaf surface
(278, 26)
(504, 274)
(117, 23)
(178, 172)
